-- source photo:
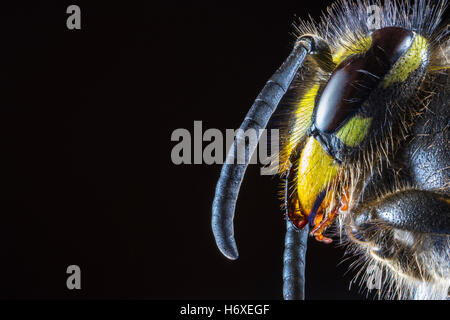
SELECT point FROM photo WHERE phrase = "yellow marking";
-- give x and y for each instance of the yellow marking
(408, 63)
(303, 115)
(316, 171)
(357, 48)
(437, 68)
(305, 108)
(354, 131)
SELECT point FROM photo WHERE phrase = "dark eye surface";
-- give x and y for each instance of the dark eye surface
(356, 77)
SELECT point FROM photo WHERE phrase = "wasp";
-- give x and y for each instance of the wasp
(364, 145)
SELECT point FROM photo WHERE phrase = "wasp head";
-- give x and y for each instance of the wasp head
(372, 132)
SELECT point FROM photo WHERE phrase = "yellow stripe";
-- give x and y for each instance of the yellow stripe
(354, 131)
(407, 64)
(315, 172)
(303, 116)
(437, 68)
(357, 48)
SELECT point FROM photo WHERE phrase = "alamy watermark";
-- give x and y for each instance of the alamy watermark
(236, 144)
(74, 279)
(374, 14)
(374, 277)
(73, 21)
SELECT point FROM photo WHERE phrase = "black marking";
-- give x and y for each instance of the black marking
(316, 207)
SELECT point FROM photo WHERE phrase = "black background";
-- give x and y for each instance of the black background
(86, 118)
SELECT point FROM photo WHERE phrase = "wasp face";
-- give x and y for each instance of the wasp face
(353, 111)
(367, 143)
(371, 135)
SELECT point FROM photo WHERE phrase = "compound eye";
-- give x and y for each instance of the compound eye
(357, 76)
